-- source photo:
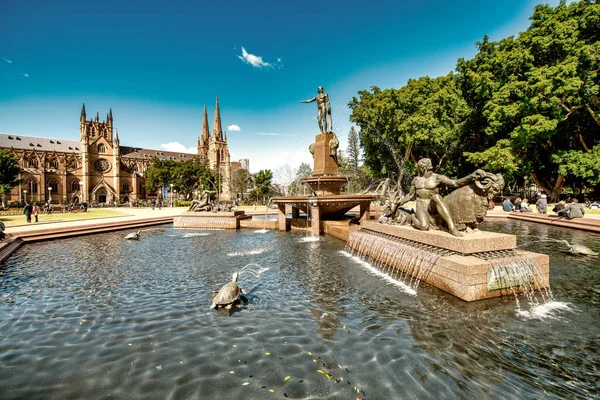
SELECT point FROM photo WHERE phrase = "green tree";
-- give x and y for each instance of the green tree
(159, 174)
(535, 99)
(190, 175)
(353, 151)
(262, 183)
(9, 173)
(422, 119)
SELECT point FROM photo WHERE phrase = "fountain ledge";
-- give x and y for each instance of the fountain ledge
(209, 219)
(479, 242)
(465, 267)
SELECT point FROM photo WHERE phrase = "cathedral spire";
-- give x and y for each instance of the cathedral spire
(205, 132)
(110, 115)
(217, 129)
(82, 119)
(97, 116)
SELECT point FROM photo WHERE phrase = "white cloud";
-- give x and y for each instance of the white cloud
(234, 128)
(255, 61)
(24, 74)
(8, 61)
(272, 134)
(178, 148)
(278, 59)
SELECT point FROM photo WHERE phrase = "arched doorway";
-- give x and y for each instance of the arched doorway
(75, 200)
(102, 196)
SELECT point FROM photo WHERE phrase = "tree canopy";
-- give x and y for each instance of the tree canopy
(186, 176)
(526, 106)
(9, 173)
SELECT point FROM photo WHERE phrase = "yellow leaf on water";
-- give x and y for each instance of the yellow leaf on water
(232, 372)
(340, 366)
(309, 353)
(314, 360)
(245, 383)
(319, 371)
(271, 390)
(344, 327)
(235, 345)
(267, 353)
(286, 378)
(329, 376)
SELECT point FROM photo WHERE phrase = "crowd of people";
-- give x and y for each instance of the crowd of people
(569, 209)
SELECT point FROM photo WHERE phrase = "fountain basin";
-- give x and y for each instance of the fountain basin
(325, 185)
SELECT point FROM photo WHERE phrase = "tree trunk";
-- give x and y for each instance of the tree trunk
(554, 190)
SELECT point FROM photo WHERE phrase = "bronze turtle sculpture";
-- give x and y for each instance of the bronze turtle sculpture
(580, 249)
(133, 235)
(228, 294)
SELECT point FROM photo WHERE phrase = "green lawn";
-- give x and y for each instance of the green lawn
(12, 220)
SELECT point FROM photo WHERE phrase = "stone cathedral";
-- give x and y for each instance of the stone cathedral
(97, 169)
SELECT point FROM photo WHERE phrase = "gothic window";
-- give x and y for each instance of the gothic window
(54, 163)
(54, 185)
(33, 162)
(32, 186)
(101, 148)
(74, 186)
(125, 186)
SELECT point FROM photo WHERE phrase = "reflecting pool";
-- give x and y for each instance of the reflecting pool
(98, 317)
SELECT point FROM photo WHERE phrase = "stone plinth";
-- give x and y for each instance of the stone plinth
(211, 220)
(468, 244)
(324, 164)
(474, 267)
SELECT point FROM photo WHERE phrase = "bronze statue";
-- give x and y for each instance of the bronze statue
(324, 113)
(201, 201)
(469, 204)
(425, 188)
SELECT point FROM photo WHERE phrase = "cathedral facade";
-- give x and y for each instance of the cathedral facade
(97, 169)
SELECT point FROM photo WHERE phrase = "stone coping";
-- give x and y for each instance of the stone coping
(469, 244)
(213, 214)
(586, 224)
(336, 197)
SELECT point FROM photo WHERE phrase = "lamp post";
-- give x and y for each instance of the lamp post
(49, 194)
(171, 194)
(31, 191)
(25, 195)
(81, 191)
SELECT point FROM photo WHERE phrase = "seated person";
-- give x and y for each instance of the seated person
(575, 210)
(525, 206)
(594, 205)
(507, 205)
(560, 208)
(518, 204)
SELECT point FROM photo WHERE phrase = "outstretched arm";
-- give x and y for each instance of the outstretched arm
(462, 181)
(309, 100)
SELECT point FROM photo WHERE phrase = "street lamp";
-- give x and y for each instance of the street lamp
(25, 195)
(50, 194)
(81, 191)
(171, 194)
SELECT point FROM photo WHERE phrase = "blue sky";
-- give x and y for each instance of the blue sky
(156, 63)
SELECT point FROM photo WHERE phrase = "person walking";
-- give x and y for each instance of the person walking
(36, 211)
(542, 204)
(27, 210)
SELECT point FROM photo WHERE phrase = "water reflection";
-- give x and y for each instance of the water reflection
(84, 322)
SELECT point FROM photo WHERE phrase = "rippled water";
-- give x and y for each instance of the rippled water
(100, 317)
